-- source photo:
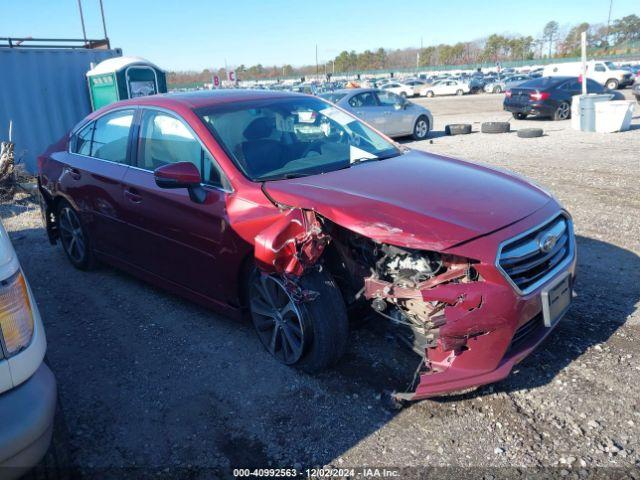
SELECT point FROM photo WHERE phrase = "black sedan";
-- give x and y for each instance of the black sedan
(549, 97)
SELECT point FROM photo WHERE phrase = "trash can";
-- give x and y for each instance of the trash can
(124, 77)
(588, 110)
(614, 116)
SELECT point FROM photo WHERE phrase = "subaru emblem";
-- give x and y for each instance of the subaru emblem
(547, 242)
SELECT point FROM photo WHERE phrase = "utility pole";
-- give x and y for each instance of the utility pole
(608, 23)
(104, 25)
(84, 32)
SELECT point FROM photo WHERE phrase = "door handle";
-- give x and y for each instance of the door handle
(74, 173)
(132, 195)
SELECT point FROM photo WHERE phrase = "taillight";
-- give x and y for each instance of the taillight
(537, 96)
(508, 93)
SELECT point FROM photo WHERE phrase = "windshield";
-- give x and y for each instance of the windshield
(611, 65)
(274, 139)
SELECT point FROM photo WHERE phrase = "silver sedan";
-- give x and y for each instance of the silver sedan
(389, 113)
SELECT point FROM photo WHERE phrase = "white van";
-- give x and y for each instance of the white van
(27, 386)
(605, 73)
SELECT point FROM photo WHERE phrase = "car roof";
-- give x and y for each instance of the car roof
(207, 98)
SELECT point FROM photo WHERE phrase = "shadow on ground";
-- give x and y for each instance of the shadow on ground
(149, 382)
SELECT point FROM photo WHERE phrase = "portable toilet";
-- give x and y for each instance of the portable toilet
(124, 77)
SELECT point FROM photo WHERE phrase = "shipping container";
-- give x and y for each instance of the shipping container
(44, 92)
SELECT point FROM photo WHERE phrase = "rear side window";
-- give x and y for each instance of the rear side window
(82, 140)
(111, 136)
(106, 138)
(164, 139)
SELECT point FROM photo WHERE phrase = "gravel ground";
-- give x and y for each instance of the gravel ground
(149, 381)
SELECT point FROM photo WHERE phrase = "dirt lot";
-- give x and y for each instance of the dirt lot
(148, 380)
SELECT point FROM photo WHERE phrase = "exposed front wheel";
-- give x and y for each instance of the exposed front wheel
(563, 112)
(310, 333)
(612, 84)
(519, 115)
(403, 94)
(421, 128)
(459, 92)
(74, 238)
(429, 94)
(497, 90)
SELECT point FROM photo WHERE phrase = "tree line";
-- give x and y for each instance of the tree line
(621, 36)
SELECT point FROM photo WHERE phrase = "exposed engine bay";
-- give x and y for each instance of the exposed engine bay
(391, 278)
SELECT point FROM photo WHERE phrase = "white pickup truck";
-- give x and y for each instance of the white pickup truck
(27, 386)
(605, 73)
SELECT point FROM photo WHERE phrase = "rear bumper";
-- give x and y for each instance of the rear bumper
(530, 109)
(26, 420)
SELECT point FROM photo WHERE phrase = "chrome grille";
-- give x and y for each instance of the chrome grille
(533, 257)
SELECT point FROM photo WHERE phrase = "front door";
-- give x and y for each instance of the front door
(399, 120)
(173, 237)
(365, 106)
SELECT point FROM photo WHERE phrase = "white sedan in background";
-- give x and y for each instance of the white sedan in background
(446, 87)
(399, 88)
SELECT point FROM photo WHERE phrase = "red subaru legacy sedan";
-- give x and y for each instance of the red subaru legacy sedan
(295, 211)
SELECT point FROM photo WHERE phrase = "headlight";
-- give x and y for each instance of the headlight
(16, 318)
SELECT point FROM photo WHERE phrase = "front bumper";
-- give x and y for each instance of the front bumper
(492, 328)
(26, 423)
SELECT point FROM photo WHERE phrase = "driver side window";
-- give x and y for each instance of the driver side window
(164, 139)
(363, 100)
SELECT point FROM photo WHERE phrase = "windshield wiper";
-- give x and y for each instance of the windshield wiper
(285, 176)
(369, 159)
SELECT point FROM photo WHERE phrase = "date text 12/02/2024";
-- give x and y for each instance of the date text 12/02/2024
(314, 473)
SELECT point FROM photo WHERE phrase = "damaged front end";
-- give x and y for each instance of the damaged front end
(453, 311)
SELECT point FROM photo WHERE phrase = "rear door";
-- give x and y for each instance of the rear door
(95, 166)
(172, 237)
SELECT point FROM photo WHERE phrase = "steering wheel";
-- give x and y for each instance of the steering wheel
(313, 147)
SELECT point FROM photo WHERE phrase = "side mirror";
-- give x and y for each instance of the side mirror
(181, 175)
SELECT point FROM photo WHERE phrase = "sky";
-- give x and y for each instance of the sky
(198, 34)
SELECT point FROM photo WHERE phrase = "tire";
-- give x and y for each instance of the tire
(497, 90)
(74, 237)
(421, 128)
(321, 322)
(458, 129)
(430, 93)
(612, 84)
(530, 132)
(495, 127)
(563, 112)
(459, 93)
(403, 94)
(519, 116)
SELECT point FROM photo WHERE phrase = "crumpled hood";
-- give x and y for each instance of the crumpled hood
(416, 200)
